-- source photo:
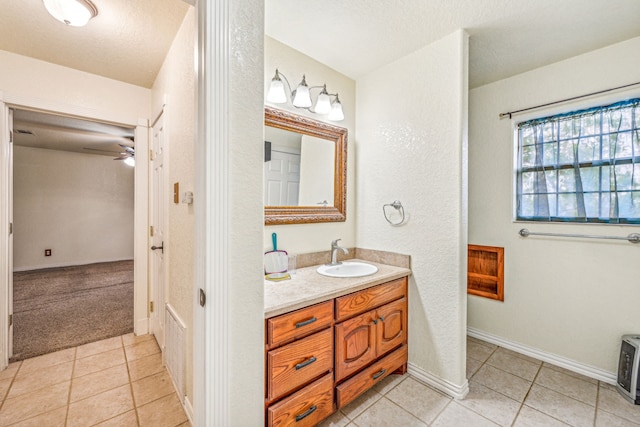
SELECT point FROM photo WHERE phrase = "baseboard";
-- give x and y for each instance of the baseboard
(141, 326)
(68, 264)
(455, 391)
(188, 409)
(554, 359)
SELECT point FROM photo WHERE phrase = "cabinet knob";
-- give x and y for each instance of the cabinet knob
(375, 322)
(381, 319)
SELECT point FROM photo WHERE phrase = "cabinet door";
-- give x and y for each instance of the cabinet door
(391, 326)
(355, 344)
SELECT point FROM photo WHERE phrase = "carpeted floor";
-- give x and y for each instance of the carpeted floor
(58, 308)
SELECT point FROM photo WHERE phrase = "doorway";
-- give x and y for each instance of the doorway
(80, 125)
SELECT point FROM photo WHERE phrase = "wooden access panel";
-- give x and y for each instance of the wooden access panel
(485, 271)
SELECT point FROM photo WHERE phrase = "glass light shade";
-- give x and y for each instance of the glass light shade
(323, 104)
(336, 113)
(130, 161)
(75, 13)
(302, 98)
(276, 93)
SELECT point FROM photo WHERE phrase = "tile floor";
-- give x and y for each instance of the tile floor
(115, 382)
(506, 389)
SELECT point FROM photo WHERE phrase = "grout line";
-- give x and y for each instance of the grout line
(73, 370)
(133, 398)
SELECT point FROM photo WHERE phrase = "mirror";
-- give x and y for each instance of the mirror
(305, 169)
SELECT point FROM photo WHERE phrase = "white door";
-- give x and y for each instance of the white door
(282, 179)
(10, 244)
(158, 207)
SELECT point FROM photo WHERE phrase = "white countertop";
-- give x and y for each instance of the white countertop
(307, 287)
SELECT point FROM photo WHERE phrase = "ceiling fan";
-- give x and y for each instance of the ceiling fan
(128, 155)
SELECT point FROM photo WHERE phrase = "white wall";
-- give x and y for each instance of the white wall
(175, 85)
(79, 205)
(569, 297)
(302, 238)
(411, 146)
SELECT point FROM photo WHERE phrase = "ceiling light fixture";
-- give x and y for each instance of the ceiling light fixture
(75, 13)
(301, 97)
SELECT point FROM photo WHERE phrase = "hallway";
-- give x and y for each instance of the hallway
(119, 381)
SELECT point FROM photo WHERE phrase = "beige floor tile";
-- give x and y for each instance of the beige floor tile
(141, 349)
(479, 341)
(98, 347)
(515, 365)
(607, 386)
(11, 370)
(529, 417)
(55, 418)
(605, 419)
(472, 366)
(356, 407)
(100, 407)
(28, 381)
(98, 382)
(416, 398)
(573, 387)
(4, 388)
(570, 373)
(491, 404)
(611, 401)
(478, 351)
(128, 419)
(130, 339)
(164, 412)
(145, 366)
(34, 403)
(98, 362)
(385, 413)
(338, 419)
(47, 360)
(387, 384)
(503, 382)
(152, 388)
(456, 415)
(560, 407)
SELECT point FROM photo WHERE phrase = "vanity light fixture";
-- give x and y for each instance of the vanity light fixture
(75, 13)
(301, 97)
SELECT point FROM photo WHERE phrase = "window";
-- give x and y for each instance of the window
(582, 166)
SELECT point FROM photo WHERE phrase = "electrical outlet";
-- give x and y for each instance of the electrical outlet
(47, 252)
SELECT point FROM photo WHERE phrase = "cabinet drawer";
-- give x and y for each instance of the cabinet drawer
(354, 387)
(295, 364)
(305, 408)
(359, 302)
(301, 322)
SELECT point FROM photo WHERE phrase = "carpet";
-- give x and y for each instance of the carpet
(58, 308)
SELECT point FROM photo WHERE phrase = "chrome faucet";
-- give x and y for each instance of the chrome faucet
(334, 252)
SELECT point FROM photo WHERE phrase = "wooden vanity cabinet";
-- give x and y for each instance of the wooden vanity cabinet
(322, 357)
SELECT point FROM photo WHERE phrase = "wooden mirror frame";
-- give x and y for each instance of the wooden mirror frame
(311, 214)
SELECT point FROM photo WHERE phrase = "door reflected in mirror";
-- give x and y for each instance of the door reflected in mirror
(298, 169)
(305, 169)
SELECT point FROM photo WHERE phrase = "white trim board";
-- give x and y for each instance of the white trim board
(554, 359)
(457, 392)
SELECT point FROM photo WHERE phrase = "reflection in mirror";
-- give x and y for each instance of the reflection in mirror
(299, 170)
(304, 169)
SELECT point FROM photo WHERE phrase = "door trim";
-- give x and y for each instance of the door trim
(141, 221)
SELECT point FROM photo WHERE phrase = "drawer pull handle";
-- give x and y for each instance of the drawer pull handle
(306, 363)
(306, 413)
(306, 322)
(379, 374)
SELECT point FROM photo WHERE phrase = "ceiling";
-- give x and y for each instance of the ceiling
(129, 39)
(507, 37)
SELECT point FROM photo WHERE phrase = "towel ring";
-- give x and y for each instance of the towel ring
(397, 205)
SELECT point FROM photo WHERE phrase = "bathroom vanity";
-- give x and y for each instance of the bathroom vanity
(328, 340)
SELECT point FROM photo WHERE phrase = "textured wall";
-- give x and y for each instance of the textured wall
(302, 238)
(78, 205)
(570, 297)
(176, 83)
(410, 146)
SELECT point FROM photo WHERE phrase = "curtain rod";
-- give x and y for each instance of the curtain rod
(510, 113)
(632, 238)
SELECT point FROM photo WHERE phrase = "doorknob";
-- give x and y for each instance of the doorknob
(161, 247)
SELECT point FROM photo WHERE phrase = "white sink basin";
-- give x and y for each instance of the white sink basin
(348, 269)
